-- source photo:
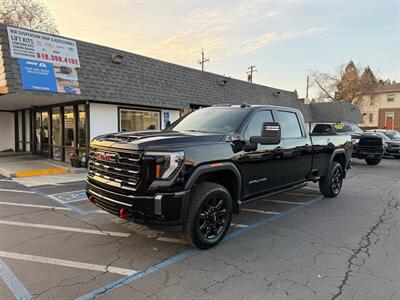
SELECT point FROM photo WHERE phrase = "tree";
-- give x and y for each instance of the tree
(345, 84)
(31, 14)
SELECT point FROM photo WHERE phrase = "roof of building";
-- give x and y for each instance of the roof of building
(389, 88)
(141, 80)
(334, 111)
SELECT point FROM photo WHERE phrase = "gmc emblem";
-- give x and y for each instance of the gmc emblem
(106, 156)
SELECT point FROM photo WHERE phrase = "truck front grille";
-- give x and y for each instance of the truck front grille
(370, 141)
(118, 169)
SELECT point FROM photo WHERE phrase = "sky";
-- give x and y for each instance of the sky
(285, 40)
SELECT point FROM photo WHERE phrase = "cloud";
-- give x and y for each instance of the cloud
(257, 43)
(214, 30)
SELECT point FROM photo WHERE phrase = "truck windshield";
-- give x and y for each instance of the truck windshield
(212, 119)
(342, 128)
(393, 135)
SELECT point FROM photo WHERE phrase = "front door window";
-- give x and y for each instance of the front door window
(69, 129)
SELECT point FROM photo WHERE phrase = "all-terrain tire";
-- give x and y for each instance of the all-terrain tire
(372, 161)
(201, 199)
(331, 184)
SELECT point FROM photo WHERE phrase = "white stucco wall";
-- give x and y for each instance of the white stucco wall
(103, 119)
(7, 137)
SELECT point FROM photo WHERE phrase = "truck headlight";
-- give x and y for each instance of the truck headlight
(354, 141)
(166, 162)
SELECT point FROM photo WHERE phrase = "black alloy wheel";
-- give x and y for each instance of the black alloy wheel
(337, 180)
(212, 219)
(330, 185)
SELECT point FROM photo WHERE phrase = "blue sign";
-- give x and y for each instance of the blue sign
(166, 117)
(37, 75)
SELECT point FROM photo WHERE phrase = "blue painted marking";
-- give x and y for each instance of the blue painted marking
(16, 287)
(74, 208)
(68, 196)
(173, 260)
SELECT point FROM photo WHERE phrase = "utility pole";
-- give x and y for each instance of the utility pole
(203, 60)
(250, 72)
(308, 84)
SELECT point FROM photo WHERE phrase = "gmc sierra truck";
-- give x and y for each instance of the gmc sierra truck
(192, 176)
(366, 145)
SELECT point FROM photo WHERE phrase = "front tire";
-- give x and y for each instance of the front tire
(331, 184)
(372, 162)
(209, 215)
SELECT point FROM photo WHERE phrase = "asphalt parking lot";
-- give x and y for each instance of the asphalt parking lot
(54, 244)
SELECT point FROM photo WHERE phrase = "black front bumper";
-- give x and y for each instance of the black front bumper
(163, 210)
(367, 152)
(392, 152)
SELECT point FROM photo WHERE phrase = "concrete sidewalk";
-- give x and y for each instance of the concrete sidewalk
(26, 165)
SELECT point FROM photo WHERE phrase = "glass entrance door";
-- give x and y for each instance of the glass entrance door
(42, 133)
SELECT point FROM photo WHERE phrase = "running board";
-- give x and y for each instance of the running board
(297, 186)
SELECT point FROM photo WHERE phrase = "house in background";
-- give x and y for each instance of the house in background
(381, 109)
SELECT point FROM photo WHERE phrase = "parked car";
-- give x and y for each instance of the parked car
(391, 134)
(194, 175)
(391, 147)
(365, 145)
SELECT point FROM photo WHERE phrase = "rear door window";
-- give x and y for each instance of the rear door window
(290, 125)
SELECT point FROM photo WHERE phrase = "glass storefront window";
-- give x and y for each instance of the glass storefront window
(56, 134)
(137, 120)
(82, 133)
(69, 129)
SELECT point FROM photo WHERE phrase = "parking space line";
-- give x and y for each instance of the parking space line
(71, 229)
(310, 188)
(297, 194)
(67, 263)
(179, 257)
(66, 193)
(34, 205)
(261, 211)
(6, 180)
(15, 286)
(76, 200)
(170, 240)
(239, 225)
(283, 201)
(16, 191)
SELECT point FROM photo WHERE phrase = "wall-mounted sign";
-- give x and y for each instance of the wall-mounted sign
(45, 76)
(43, 47)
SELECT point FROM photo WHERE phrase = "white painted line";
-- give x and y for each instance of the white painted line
(282, 201)
(16, 191)
(310, 188)
(298, 194)
(170, 240)
(34, 205)
(6, 180)
(261, 211)
(66, 193)
(67, 263)
(239, 225)
(76, 200)
(72, 229)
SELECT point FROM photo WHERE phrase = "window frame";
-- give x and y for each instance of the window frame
(302, 130)
(250, 118)
(120, 109)
(392, 98)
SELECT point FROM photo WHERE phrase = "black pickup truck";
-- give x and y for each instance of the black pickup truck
(366, 145)
(192, 176)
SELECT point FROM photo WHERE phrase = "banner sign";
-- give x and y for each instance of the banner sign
(46, 77)
(43, 47)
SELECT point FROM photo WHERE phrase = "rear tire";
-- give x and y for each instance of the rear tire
(372, 162)
(331, 184)
(209, 216)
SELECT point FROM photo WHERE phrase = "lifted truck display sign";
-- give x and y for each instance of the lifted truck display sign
(46, 77)
(42, 47)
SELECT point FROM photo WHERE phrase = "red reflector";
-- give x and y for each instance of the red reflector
(123, 213)
(92, 199)
(216, 165)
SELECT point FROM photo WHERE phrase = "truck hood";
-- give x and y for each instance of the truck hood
(157, 139)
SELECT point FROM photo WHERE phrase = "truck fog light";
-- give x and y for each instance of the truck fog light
(157, 204)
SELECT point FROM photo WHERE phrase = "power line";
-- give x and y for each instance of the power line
(250, 72)
(203, 60)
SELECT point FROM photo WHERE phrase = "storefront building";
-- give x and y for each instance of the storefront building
(57, 93)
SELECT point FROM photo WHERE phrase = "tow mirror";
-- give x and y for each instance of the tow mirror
(270, 134)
